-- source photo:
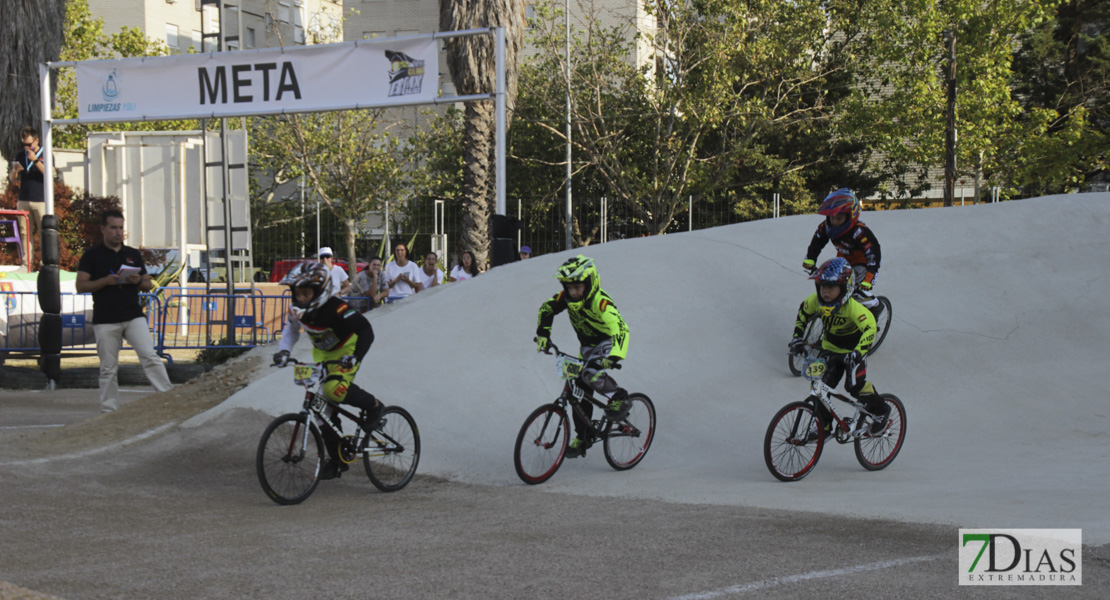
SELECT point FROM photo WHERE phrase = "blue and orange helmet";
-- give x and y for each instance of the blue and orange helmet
(842, 201)
(835, 271)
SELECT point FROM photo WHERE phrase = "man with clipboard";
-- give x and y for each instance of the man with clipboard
(115, 274)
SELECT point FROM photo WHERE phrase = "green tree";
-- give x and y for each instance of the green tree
(720, 99)
(1062, 80)
(902, 107)
(352, 161)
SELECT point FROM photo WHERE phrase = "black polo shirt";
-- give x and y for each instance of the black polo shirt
(113, 303)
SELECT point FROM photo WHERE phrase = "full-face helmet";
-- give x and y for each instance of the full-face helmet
(844, 202)
(838, 272)
(579, 269)
(309, 274)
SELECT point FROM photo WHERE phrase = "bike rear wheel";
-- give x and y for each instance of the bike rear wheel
(392, 450)
(788, 456)
(882, 323)
(541, 444)
(876, 453)
(286, 465)
(628, 440)
(812, 337)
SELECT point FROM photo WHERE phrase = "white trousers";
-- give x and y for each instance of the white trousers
(109, 341)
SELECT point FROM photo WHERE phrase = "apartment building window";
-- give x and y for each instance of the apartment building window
(529, 15)
(285, 12)
(250, 37)
(197, 41)
(171, 36)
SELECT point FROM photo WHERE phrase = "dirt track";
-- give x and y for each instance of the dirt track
(180, 514)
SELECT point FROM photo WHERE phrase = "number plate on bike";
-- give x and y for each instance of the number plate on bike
(569, 368)
(814, 369)
(318, 404)
(302, 373)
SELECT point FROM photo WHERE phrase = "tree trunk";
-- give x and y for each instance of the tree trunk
(477, 179)
(471, 63)
(352, 257)
(32, 32)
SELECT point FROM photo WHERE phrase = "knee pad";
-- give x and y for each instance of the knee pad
(335, 389)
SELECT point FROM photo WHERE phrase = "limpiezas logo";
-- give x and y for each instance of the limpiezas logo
(1021, 557)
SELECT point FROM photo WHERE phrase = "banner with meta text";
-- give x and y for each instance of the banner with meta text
(362, 74)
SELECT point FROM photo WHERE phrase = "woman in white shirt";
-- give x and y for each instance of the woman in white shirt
(467, 267)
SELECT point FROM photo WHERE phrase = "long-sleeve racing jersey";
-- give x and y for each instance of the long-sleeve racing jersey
(595, 320)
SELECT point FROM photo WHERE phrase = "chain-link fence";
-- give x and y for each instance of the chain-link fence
(297, 231)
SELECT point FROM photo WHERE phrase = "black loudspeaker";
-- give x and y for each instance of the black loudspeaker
(503, 251)
(50, 295)
(505, 226)
(51, 366)
(49, 240)
(50, 334)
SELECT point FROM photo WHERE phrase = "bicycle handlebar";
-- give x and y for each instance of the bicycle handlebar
(551, 346)
(292, 361)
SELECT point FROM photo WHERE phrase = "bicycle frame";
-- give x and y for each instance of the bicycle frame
(820, 391)
(570, 370)
(311, 377)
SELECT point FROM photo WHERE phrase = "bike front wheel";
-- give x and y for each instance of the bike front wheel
(812, 339)
(882, 323)
(878, 452)
(289, 456)
(392, 450)
(628, 440)
(788, 454)
(541, 444)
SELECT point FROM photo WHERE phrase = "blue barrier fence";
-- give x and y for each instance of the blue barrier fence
(179, 318)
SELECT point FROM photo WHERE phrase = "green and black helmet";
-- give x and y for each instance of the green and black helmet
(580, 269)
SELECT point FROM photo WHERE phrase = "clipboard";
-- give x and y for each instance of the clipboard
(126, 271)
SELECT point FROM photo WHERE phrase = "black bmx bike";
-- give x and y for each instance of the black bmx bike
(542, 442)
(292, 451)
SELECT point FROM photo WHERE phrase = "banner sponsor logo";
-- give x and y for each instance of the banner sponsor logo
(322, 77)
(406, 74)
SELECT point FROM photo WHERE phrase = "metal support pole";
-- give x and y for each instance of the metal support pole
(604, 219)
(499, 152)
(950, 128)
(569, 218)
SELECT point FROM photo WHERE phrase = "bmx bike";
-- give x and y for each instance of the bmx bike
(796, 436)
(542, 442)
(292, 451)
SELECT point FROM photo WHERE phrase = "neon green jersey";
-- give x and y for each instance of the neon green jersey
(595, 320)
(851, 327)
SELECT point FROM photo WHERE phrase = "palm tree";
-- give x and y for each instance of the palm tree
(32, 32)
(471, 63)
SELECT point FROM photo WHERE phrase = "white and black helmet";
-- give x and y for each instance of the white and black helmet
(309, 274)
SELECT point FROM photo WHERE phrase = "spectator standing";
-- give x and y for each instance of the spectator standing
(371, 283)
(29, 168)
(525, 252)
(115, 274)
(340, 282)
(402, 274)
(466, 269)
(431, 275)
